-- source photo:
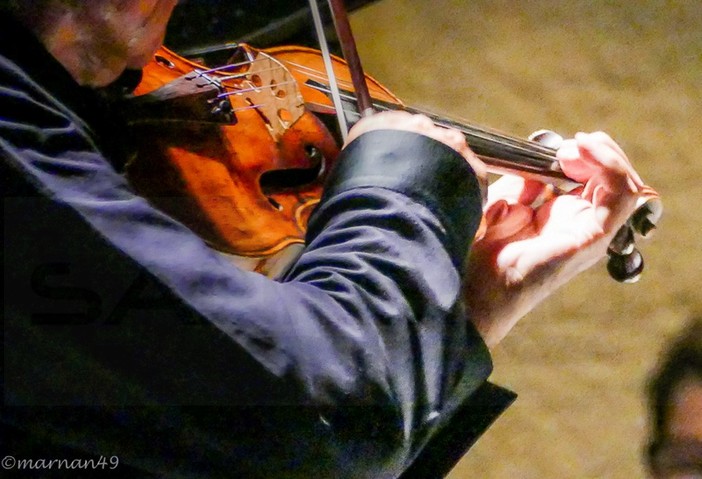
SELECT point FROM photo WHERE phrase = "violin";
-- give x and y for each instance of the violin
(239, 153)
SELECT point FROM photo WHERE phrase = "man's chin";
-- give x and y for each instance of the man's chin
(138, 63)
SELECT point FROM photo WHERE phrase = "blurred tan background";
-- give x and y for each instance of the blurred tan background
(633, 69)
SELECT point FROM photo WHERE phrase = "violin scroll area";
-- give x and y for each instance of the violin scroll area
(624, 262)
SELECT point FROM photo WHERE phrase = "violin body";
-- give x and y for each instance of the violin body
(239, 153)
(247, 180)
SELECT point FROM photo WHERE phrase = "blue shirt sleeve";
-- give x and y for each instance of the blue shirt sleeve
(366, 333)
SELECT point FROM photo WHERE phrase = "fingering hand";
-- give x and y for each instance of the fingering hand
(536, 239)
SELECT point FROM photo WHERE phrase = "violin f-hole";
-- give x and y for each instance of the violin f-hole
(275, 181)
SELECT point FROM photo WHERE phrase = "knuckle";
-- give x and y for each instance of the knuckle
(423, 121)
(457, 137)
(601, 136)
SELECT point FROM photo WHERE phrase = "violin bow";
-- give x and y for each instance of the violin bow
(348, 48)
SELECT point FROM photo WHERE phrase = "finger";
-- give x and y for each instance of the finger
(422, 122)
(599, 210)
(581, 165)
(614, 182)
(572, 163)
(383, 120)
(457, 140)
(589, 155)
(514, 189)
(505, 221)
(599, 147)
(603, 137)
(600, 153)
(452, 138)
(423, 125)
(562, 213)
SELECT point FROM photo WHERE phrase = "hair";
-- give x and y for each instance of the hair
(681, 360)
(30, 8)
(34, 12)
(19, 4)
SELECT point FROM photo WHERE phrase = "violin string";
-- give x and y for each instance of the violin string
(474, 130)
(482, 133)
(225, 67)
(316, 74)
(244, 74)
(526, 164)
(475, 134)
(238, 91)
(525, 147)
(254, 88)
(201, 73)
(248, 107)
(490, 135)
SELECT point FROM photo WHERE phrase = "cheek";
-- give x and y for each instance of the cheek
(141, 56)
(149, 37)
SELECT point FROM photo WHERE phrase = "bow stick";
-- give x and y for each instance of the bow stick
(348, 48)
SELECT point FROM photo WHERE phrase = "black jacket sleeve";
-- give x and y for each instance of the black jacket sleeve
(125, 335)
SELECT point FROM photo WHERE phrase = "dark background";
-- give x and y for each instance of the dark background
(202, 23)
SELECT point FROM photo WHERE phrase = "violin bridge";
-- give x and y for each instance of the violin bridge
(268, 87)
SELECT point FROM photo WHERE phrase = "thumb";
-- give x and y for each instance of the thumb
(504, 220)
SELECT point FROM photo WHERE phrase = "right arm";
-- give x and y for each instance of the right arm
(368, 327)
